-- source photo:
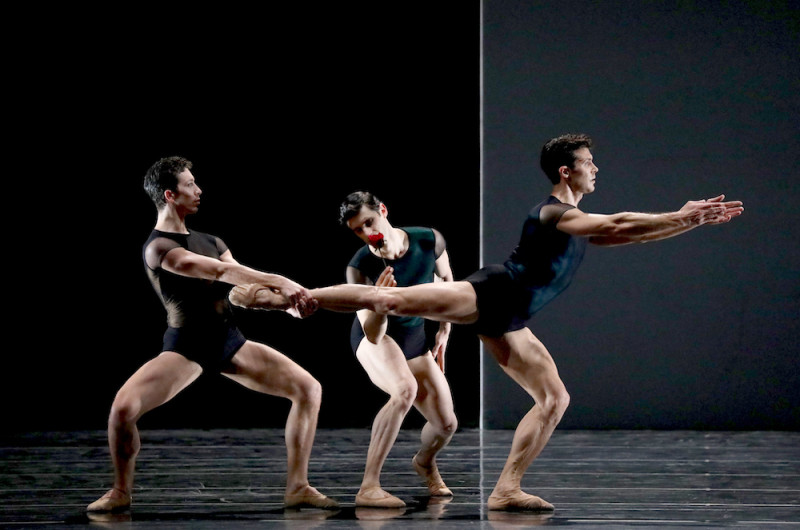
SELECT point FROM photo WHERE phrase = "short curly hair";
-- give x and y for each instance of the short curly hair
(353, 203)
(163, 176)
(560, 151)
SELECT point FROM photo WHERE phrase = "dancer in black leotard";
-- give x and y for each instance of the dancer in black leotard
(395, 351)
(191, 273)
(498, 300)
(541, 266)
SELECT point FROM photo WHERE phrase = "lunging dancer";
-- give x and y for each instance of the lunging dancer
(498, 300)
(192, 272)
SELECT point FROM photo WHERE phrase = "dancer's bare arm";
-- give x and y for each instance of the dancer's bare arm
(228, 270)
(632, 227)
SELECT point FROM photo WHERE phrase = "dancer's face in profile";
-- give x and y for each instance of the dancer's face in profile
(187, 196)
(584, 172)
(368, 222)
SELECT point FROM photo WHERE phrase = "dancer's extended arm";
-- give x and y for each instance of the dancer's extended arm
(632, 227)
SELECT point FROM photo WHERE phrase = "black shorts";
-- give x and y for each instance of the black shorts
(500, 300)
(412, 340)
(210, 346)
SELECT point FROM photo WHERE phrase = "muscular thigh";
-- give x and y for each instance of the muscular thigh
(526, 360)
(385, 364)
(156, 382)
(265, 369)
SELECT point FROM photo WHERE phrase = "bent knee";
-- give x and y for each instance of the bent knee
(406, 393)
(308, 391)
(124, 412)
(448, 425)
(555, 405)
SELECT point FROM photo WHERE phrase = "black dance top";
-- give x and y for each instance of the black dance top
(546, 259)
(416, 266)
(188, 301)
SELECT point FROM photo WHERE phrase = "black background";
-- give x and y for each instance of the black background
(283, 114)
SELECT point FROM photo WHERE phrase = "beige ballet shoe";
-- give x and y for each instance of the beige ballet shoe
(114, 500)
(432, 478)
(383, 499)
(310, 500)
(257, 296)
(519, 501)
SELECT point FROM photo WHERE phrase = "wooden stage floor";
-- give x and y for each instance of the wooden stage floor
(234, 479)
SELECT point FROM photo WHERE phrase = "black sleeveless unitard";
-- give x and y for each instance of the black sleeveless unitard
(539, 269)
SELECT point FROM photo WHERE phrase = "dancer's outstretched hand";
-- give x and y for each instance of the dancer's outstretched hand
(712, 211)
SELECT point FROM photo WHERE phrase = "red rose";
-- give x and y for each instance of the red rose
(376, 240)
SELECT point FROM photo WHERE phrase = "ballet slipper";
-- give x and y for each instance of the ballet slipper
(519, 501)
(432, 478)
(313, 499)
(114, 500)
(383, 499)
(257, 296)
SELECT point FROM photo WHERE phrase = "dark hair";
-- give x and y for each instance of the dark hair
(353, 203)
(163, 176)
(559, 152)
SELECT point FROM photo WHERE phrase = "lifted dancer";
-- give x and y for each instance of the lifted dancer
(498, 300)
(192, 272)
(394, 351)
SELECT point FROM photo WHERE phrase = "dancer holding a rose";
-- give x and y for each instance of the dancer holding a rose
(395, 351)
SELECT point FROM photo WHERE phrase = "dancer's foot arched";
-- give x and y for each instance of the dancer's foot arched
(257, 296)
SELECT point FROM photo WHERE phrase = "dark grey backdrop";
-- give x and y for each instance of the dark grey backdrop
(685, 101)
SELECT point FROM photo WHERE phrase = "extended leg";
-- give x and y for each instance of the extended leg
(525, 359)
(443, 301)
(435, 403)
(155, 383)
(261, 368)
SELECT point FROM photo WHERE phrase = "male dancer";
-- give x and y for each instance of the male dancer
(192, 272)
(395, 351)
(498, 300)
